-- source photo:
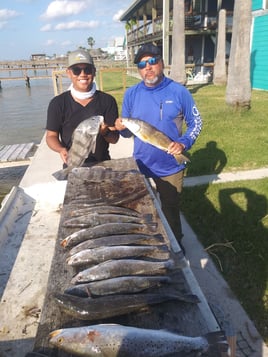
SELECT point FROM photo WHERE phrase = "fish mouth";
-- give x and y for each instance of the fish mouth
(55, 333)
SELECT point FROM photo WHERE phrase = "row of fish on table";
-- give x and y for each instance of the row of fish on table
(121, 265)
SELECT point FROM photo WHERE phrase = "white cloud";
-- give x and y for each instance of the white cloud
(47, 27)
(63, 8)
(66, 43)
(117, 16)
(6, 14)
(50, 42)
(3, 24)
(76, 25)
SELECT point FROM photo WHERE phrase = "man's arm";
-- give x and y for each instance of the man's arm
(53, 142)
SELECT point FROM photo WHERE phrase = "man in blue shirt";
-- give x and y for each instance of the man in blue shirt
(164, 104)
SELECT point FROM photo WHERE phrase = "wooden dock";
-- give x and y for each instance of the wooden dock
(16, 152)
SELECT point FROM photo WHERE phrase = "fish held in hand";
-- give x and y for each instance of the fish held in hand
(149, 134)
(115, 340)
(83, 143)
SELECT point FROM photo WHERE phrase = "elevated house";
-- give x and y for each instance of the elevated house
(259, 48)
(152, 20)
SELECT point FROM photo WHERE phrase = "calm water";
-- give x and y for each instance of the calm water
(22, 120)
(23, 110)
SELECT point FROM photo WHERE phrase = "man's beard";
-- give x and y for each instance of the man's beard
(152, 81)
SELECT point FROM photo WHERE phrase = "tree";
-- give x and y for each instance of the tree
(220, 75)
(238, 90)
(91, 42)
(177, 71)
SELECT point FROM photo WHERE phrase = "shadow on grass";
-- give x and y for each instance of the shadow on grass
(206, 161)
(231, 219)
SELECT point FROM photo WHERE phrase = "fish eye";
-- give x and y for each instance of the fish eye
(60, 340)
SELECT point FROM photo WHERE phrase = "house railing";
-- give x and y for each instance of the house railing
(197, 23)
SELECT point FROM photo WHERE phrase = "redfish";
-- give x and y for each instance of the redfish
(149, 134)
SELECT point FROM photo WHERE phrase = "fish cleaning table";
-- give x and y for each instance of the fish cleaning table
(118, 182)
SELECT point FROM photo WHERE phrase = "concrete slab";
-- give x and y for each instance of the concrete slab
(226, 177)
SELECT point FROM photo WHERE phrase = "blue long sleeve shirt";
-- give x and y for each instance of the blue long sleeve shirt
(164, 106)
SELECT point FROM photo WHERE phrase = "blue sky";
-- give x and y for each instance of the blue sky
(55, 27)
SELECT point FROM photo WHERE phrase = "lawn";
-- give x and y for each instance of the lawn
(232, 218)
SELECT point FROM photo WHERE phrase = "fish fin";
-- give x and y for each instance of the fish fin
(217, 343)
(181, 159)
(61, 175)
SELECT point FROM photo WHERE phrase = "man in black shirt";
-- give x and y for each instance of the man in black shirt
(81, 101)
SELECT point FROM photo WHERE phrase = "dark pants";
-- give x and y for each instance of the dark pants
(169, 189)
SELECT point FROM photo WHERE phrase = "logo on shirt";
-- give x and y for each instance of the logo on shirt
(195, 111)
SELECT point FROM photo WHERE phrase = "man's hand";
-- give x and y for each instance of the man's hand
(64, 155)
(118, 124)
(175, 148)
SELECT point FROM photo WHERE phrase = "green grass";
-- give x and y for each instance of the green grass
(231, 222)
(238, 140)
(231, 219)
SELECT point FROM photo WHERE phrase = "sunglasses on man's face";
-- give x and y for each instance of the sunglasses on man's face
(77, 70)
(151, 61)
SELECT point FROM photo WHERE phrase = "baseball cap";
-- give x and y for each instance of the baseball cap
(79, 56)
(147, 49)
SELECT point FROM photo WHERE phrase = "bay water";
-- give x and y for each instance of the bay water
(22, 120)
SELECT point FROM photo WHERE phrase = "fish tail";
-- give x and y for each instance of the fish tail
(61, 174)
(181, 159)
(217, 343)
(151, 226)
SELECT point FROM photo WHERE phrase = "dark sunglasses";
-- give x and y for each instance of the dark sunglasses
(77, 70)
(151, 61)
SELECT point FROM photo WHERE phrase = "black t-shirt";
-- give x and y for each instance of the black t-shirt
(64, 114)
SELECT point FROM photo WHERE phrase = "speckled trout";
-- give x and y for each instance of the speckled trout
(115, 340)
(103, 307)
(123, 267)
(98, 255)
(83, 143)
(149, 134)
